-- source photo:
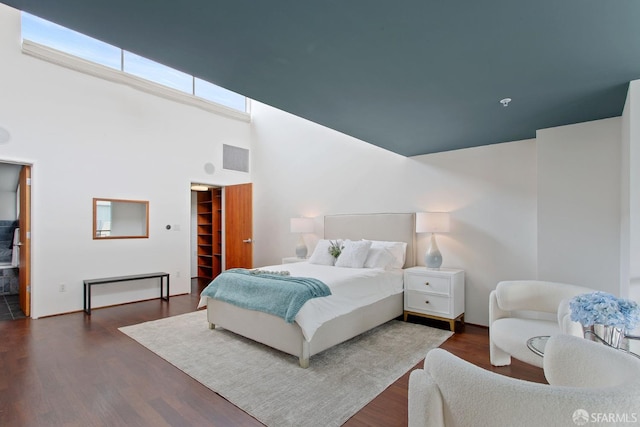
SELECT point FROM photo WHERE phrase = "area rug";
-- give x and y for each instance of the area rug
(270, 385)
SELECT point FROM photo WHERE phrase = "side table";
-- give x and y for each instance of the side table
(537, 344)
(434, 293)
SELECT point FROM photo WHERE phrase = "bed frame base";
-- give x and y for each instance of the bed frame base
(287, 337)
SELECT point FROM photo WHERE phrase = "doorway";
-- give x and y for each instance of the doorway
(221, 230)
(15, 238)
(206, 232)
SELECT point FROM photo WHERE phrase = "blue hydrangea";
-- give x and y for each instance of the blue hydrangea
(602, 308)
(631, 313)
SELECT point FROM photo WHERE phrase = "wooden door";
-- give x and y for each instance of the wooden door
(24, 219)
(238, 210)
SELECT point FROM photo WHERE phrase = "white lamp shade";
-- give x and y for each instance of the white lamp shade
(302, 225)
(432, 222)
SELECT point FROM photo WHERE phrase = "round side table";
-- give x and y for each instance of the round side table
(537, 344)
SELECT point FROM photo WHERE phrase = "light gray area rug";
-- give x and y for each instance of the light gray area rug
(270, 385)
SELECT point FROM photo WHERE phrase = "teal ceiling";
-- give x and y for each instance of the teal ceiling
(411, 76)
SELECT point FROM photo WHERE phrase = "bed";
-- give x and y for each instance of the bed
(318, 333)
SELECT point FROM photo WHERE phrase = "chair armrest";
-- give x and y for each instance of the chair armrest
(474, 396)
(495, 312)
(425, 401)
(576, 362)
(568, 326)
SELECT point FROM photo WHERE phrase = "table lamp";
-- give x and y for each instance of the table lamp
(301, 226)
(432, 222)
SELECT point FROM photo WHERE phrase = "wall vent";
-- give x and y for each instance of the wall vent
(235, 158)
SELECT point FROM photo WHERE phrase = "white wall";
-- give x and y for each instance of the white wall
(86, 138)
(630, 247)
(301, 168)
(625, 194)
(8, 205)
(579, 204)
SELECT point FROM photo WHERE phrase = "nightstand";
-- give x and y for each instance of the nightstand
(292, 259)
(436, 294)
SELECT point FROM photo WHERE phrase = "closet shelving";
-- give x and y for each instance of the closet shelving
(209, 232)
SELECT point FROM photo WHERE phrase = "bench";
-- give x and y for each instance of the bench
(93, 282)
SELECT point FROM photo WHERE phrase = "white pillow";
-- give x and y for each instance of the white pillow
(379, 257)
(321, 254)
(354, 254)
(397, 249)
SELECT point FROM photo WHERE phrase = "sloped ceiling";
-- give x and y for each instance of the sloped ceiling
(411, 76)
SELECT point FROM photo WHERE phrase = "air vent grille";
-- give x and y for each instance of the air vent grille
(235, 158)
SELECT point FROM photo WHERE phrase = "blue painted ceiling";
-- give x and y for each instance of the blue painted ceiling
(410, 76)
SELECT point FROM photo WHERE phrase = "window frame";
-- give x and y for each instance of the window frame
(121, 76)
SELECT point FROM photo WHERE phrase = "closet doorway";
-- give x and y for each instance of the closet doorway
(15, 240)
(221, 229)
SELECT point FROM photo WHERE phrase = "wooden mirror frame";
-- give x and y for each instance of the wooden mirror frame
(137, 221)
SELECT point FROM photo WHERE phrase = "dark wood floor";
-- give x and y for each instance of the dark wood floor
(78, 370)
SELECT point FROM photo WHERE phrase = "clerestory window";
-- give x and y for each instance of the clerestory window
(70, 42)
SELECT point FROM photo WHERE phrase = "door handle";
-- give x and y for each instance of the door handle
(247, 240)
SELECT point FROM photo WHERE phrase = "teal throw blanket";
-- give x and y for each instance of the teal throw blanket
(275, 294)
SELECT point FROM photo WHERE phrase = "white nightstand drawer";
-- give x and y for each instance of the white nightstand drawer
(438, 285)
(428, 303)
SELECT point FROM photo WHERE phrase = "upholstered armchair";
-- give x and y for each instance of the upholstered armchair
(587, 381)
(521, 309)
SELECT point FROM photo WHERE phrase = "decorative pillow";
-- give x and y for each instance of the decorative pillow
(379, 257)
(321, 254)
(354, 254)
(397, 249)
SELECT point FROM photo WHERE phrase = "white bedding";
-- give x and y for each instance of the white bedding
(351, 288)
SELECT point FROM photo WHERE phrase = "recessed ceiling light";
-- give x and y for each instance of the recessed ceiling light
(505, 102)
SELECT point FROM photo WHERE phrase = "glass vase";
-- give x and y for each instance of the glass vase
(589, 333)
(612, 336)
(609, 335)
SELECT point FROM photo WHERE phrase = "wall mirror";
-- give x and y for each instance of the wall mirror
(120, 219)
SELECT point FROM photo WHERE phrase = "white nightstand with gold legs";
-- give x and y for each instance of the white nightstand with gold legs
(435, 294)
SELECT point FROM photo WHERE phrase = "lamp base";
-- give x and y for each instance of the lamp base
(301, 251)
(301, 248)
(433, 257)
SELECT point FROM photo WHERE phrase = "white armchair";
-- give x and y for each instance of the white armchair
(586, 379)
(521, 309)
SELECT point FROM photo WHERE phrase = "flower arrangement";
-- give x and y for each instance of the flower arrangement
(602, 308)
(335, 248)
(631, 313)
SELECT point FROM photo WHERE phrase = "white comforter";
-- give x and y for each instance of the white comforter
(351, 288)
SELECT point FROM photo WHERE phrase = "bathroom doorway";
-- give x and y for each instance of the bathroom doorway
(15, 241)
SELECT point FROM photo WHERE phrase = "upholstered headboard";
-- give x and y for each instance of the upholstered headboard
(394, 227)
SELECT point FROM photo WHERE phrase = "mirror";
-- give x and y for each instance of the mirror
(120, 219)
